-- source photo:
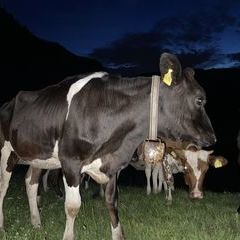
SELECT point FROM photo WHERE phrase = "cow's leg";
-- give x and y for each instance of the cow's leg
(172, 186)
(4, 179)
(102, 191)
(169, 188)
(57, 188)
(168, 177)
(169, 194)
(72, 206)
(111, 195)
(165, 185)
(155, 177)
(86, 182)
(148, 171)
(45, 181)
(32, 182)
(161, 180)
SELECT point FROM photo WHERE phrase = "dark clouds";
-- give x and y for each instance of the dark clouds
(194, 36)
(201, 32)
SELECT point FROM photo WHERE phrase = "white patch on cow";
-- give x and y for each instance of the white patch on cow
(192, 159)
(93, 169)
(72, 205)
(117, 232)
(72, 194)
(203, 155)
(55, 150)
(4, 176)
(50, 163)
(77, 86)
(7, 147)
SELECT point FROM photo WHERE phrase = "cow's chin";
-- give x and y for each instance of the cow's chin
(201, 141)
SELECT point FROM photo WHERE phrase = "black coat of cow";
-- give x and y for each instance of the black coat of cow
(96, 129)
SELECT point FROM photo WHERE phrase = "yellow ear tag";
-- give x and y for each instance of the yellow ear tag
(217, 164)
(167, 79)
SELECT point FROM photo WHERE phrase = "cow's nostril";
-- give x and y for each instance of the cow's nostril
(209, 141)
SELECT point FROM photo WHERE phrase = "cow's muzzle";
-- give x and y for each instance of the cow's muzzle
(196, 195)
(208, 141)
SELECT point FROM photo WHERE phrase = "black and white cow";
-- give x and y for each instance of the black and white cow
(92, 124)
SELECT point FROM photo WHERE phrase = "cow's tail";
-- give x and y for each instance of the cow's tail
(6, 112)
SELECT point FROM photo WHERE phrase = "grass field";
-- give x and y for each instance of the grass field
(143, 217)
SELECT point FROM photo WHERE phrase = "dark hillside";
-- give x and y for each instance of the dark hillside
(28, 62)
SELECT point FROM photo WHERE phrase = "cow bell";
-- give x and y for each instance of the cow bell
(153, 151)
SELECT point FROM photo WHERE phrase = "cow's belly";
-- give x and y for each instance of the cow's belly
(51, 161)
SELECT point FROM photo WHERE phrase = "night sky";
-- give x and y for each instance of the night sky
(132, 33)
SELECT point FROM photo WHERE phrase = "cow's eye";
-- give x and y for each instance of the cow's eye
(199, 101)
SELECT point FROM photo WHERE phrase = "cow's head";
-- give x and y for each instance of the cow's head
(182, 114)
(196, 165)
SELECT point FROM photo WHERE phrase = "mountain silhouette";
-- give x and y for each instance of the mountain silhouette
(28, 62)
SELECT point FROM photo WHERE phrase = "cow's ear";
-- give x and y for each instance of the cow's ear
(170, 69)
(217, 161)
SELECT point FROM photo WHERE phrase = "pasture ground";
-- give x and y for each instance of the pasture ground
(143, 217)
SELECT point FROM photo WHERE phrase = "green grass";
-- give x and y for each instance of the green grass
(142, 217)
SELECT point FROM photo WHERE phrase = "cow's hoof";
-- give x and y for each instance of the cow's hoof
(36, 224)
